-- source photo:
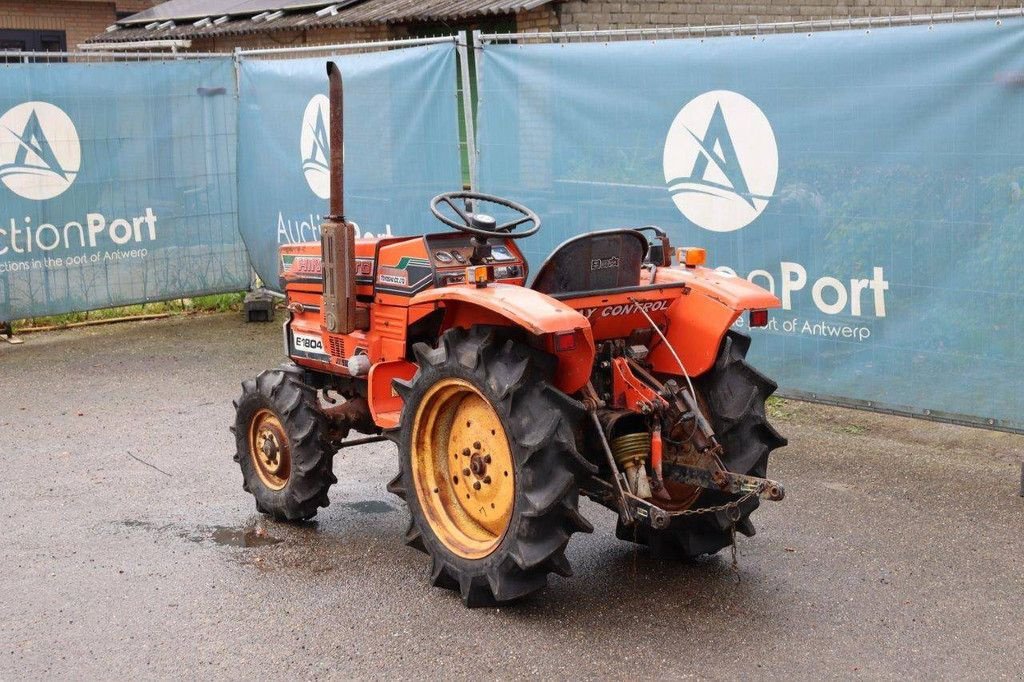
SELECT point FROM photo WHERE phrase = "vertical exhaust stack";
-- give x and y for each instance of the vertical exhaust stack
(338, 242)
(337, 134)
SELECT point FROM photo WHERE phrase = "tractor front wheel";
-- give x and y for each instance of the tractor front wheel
(280, 445)
(489, 466)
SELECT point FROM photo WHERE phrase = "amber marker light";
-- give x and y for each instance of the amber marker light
(691, 256)
(479, 275)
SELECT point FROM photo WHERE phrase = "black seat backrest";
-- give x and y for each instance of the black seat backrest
(609, 259)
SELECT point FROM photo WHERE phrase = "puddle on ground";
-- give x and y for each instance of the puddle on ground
(226, 536)
(241, 537)
(147, 525)
(369, 507)
(252, 536)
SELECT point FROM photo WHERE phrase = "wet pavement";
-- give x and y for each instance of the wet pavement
(129, 547)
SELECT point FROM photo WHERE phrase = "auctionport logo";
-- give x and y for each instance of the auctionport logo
(40, 154)
(316, 146)
(721, 161)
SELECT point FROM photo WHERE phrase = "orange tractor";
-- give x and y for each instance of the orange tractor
(614, 374)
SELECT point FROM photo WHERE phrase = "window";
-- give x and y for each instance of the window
(30, 41)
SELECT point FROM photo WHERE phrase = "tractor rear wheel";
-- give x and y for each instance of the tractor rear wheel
(281, 447)
(488, 465)
(735, 395)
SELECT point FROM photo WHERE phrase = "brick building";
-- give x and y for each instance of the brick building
(56, 25)
(221, 25)
(589, 15)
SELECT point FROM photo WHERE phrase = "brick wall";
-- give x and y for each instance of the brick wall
(544, 18)
(135, 5)
(586, 15)
(78, 20)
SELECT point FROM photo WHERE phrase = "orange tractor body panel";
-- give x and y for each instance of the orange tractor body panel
(396, 281)
(388, 273)
(698, 321)
(540, 315)
(732, 292)
(302, 269)
(385, 403)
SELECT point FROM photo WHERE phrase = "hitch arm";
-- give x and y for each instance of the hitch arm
(724, 481)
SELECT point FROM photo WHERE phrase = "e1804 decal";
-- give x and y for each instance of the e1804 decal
(308, 345)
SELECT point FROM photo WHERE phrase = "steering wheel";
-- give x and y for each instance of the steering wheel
(481, 224)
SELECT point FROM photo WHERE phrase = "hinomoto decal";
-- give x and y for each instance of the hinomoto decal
(407, 276)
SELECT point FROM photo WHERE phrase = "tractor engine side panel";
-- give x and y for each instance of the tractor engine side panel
(301, 267)
(304, 335)
(306, 339)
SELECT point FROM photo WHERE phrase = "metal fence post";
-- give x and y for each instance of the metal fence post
(467, 106)
(236, 57)
(478, 75)
(7, 333)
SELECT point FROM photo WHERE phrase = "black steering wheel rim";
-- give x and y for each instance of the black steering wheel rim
(503, 231)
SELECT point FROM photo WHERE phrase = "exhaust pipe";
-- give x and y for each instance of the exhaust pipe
(337, 138)
(338, 242)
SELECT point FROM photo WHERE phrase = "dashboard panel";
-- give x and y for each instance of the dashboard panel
(450, 255)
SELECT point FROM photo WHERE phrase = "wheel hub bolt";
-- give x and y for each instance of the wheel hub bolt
(269, 448)
(487, 480)
(465, 452)
(487, 459)
(465, 472)
(476, 485)
(476, 445)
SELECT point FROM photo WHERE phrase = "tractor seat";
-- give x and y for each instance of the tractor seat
(608, 259)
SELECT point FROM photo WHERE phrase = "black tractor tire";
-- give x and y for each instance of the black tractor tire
(736, 394)
(282, 394)
(539, 421)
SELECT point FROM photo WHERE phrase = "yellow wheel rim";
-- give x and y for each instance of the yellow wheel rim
(269, 449)
(462, 468)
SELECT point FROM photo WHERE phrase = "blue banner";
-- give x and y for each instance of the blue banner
(871, 179)
(117, 185)
(401, 146)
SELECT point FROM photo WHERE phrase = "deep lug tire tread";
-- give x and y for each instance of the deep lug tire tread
(539, 420)
(295, 403)
(736, 393)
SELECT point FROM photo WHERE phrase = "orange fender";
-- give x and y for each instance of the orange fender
(699, 320)
(540, 315)
(385, 403)
(731, 291)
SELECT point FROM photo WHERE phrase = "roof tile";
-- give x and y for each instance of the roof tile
(356, 13)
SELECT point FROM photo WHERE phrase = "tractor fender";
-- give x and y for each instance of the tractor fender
(698, 320)
(729, 290)
(538, 314)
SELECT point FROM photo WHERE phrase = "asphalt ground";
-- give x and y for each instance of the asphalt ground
(130, 550)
